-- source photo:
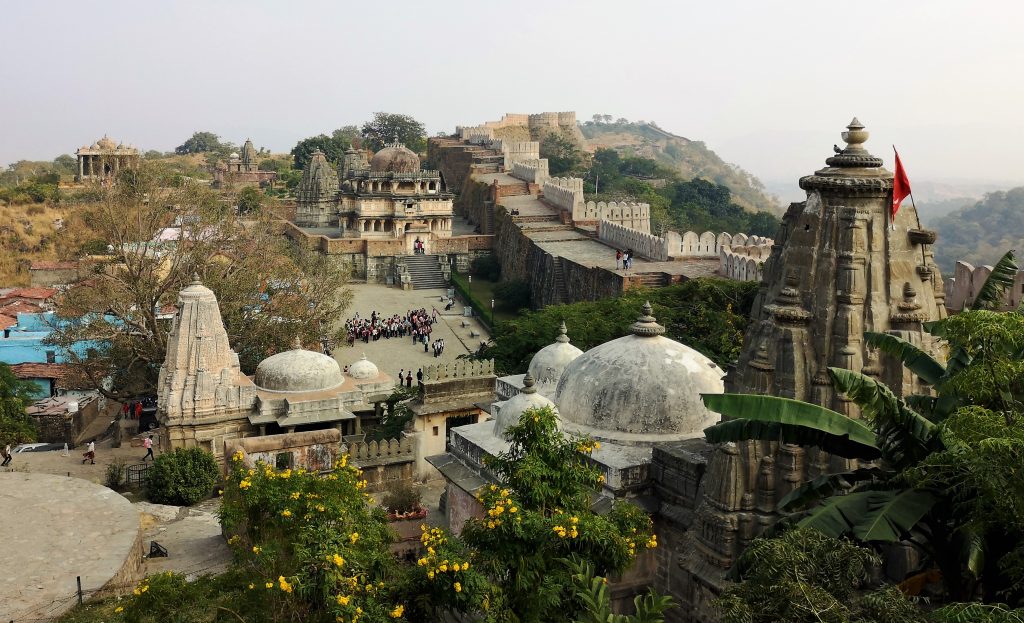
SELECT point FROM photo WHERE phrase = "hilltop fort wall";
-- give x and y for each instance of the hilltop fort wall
(962, 288)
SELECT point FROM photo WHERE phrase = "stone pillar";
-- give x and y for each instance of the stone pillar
(80, 168)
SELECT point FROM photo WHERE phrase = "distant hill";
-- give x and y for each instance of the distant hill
(691, 158)
(981, 232)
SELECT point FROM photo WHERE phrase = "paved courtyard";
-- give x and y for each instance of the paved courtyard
(394, 354)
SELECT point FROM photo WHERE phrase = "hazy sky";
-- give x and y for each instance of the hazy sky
(768, 85)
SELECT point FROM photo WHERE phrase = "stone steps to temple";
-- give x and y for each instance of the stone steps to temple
(425, 272)
(561, 291)
(652, 280)
(538, 218)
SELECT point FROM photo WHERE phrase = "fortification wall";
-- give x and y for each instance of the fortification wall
(515, 151)
(744, 263)
(475, 134)
(453, 159)
(533, 171)
(642, 243)
(628, 214)
(565, 193)
(967, 280)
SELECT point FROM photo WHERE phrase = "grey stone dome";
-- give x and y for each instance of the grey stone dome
(512, 409)
(639, 389)
(395, 157)
(549, 362)
(298, 370)
(363, 369)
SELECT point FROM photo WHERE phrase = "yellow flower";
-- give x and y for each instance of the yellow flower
(251, 586)
(443, 568)
(338, 560)
(513, 509)
(422, 562)
(430, 574)
(286, 474)
(597, 445)
(353, 537)
(600, 479)
(234, 539)
(220, 491)
(256, 549)
(296, 495)
(321, 507)
(504, 493)
(245, 484)
(458, 587)
(343, 600)
(574, 520)
(237, 456)
(286, 513)
(397, 612)
(269, 585)
(283, 584)
(119, 609)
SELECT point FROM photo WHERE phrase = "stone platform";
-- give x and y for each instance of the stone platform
(54, 529)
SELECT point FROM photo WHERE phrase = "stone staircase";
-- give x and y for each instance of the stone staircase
(652, 280)
(515, 189)
(561, 291)
(425, 272)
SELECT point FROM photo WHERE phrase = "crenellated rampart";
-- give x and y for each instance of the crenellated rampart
(565, 193)
(532, 171)
(744, 262)
(962, 288)
(627, 214)
(641, 243)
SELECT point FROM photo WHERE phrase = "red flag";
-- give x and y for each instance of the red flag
(900, 185)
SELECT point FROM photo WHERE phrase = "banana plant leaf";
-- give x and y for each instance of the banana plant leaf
(990, 296)
(916, 360)
(826, 486)
(770, 418)
(884, 516)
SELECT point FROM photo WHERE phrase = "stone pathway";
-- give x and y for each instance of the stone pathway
(191, 535)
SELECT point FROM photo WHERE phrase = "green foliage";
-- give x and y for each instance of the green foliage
(182, 477)
(595, 596)
(486, 266)
(979, 233)
(199, 143)
(513, 295)
(333, 146)
(15, 425)
(538, 516)
(997, 283)
(709, 315)
(250, 200)
(563, 153)
(114, 476)
(386, 127)
(805, 576)
(397, 414)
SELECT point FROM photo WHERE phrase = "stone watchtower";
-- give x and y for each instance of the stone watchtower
(839, 267)
(202, 396)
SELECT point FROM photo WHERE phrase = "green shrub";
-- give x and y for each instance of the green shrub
(486, 266)
(402, 497)
(115, 473)
(182, 477)
(513, 295)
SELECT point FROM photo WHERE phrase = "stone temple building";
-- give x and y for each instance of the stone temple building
(104, 158)
(388, 198)
(243, 169)
(204, 399)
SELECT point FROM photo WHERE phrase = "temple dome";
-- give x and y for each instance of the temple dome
(298, 370)
(396, 158)
(106, 143)
(512, 409)
(549, 362)
(363, 369)
(639, 389)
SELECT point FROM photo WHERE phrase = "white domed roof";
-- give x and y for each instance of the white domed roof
(639, 389)
(512, 409)
(298, 370)
(363, 369)
(549, 362)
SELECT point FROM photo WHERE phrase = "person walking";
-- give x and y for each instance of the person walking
(138, 410)
(90, 453)
(7, 455)
(618, 258)
(147, 443)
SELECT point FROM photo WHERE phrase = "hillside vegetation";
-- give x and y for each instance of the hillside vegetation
(690, 159)
(982, 232)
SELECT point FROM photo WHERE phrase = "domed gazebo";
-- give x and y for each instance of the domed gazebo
(104, 158)
(298, 370)
(395, 158)
(509, 412)
(548, 363)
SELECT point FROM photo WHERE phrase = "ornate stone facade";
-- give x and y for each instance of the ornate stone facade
(839, 267)
(104, 158)
(387, 198)
(243, 169)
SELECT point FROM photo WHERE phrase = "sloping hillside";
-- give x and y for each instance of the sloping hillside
(691, 158)
(980, 233)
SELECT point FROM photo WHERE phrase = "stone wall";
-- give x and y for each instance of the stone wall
(744, 263)
(533, 171)
(475, 134)
(516, 151)
(315, 450)
(565, 193)
(642, 243)
(384, 462)
(628, 214)
(963, 287)
(449, 381)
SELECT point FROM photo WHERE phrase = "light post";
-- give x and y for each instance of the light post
(492, 314)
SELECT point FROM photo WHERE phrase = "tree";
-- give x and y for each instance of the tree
(563, 154)
(15, 425)
(199, 143)
(250, 200)
(333, 146)
(269, 290)
(386, 127)
(66, 164)
(182, 477)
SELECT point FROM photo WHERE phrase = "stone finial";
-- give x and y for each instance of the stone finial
(647, 325)
(296, 343)
(855, 136)
(563, 335)
(528, 385)
(195, 279)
